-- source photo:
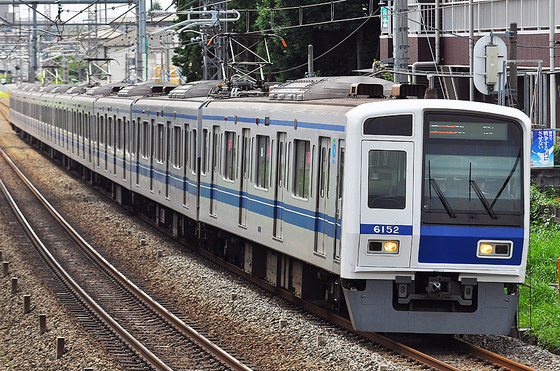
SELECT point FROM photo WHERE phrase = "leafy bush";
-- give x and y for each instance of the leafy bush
(542, 210)
(542, 271)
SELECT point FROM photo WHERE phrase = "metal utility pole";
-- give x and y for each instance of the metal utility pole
(471, 50)
(33, 55)
(553, 91)
(141, 40)
(513, 57)
(400, 47)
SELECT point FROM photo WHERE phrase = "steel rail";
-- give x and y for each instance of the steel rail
(491, 357)
(103, 316)
(187, 330)
(339, 320)
(385, 341)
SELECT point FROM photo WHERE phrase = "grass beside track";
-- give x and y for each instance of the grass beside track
(542, 273)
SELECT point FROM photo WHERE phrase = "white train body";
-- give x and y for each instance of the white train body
(415, 210)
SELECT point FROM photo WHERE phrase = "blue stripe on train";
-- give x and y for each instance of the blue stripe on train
(458, 245)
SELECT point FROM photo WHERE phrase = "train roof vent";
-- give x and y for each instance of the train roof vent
(62, 88)
(408, 90)
(107, 89)
(193, 89)
(367, 90)
(47, 88)
(147, 89)
(29, 86)
(327, 87)
(79, 89)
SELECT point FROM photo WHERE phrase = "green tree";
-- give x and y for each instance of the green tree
(346, 45)
(155, 5)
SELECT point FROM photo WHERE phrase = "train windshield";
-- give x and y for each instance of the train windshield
(472, 170)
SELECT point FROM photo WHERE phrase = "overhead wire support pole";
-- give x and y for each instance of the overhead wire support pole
(141, 40)
(552, 41)
(400, 47)
(34, 55)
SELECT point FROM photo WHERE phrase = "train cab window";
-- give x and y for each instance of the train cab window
(399, 125)
(230, 155)
(262, 161)
(386, 179)
(302, 168)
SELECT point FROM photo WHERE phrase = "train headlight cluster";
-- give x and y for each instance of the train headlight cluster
(390, 247)
(494, 249)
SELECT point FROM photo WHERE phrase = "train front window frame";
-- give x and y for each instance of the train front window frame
(472, 170)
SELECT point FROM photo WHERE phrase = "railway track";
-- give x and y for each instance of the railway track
(142, 334)
(407, 351)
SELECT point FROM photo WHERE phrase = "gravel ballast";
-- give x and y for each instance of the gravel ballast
(245, 318)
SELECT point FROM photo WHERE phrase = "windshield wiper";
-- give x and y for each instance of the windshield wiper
(442, 198)
(474, 185)
(507, 179)
(483, 199)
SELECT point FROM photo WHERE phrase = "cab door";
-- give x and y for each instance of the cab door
(386, 204)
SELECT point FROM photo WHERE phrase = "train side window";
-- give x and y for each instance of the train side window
(262, 161)
(302, 168)
(230, 155)
(101, 127)
(119, 134)
(193, 150)
(145, 139)
(186, 149)
(386, 179)
(288, 166)
(177, 144)
(110, 129)
(160, 146)
(204, 155)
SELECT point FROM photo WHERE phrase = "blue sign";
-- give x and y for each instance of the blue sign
(542, 149)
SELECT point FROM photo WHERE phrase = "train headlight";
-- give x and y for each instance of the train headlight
(494, 249)
(485, 249)
(391, 246)
(383, 247)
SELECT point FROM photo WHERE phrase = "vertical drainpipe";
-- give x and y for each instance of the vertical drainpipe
(437, 59)
(471, 51)
(553, 90)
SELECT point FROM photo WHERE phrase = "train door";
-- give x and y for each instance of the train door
(279, 185)
(186, 154)
(322, 227)
(386, 204)
(244, 177)
(125, 149)
(153, 128)
(117, 127)
(214, 168)
(338, 206)
(168, 159)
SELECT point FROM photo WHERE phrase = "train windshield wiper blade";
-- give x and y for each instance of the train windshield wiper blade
(483, 199)
(503, 187)
(442, 198)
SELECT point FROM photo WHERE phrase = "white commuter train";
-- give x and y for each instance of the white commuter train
(411, 214)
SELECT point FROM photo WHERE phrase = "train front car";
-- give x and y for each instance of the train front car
(435, 232)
